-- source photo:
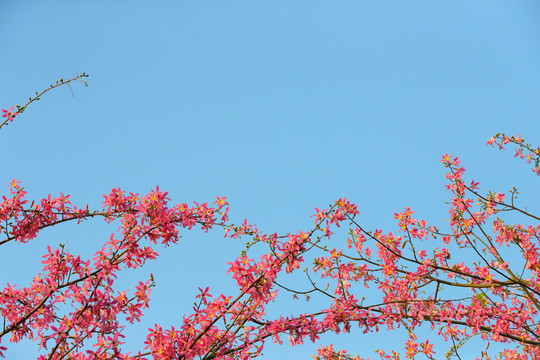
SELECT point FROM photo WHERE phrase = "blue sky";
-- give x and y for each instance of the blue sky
(281, 106)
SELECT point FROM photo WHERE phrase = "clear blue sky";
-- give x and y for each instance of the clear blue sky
(281, 106)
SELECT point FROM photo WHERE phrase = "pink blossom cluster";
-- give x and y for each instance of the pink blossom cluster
(88, 285)
(412, 281)
(530, 154)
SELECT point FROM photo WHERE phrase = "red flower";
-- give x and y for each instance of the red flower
(9, 113)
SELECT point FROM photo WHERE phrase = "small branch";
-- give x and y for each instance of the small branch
(21, 109)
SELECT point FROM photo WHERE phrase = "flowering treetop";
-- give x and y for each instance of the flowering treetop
(411, 281)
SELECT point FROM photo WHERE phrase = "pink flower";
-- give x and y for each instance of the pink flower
(9, 113)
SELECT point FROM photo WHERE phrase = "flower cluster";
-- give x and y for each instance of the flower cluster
(524, 150)
(88, 285)
(74, 310)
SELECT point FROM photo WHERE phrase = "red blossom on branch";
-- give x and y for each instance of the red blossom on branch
(9, 114)
(74, 309)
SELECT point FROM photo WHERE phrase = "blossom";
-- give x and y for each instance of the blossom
(9, 114)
